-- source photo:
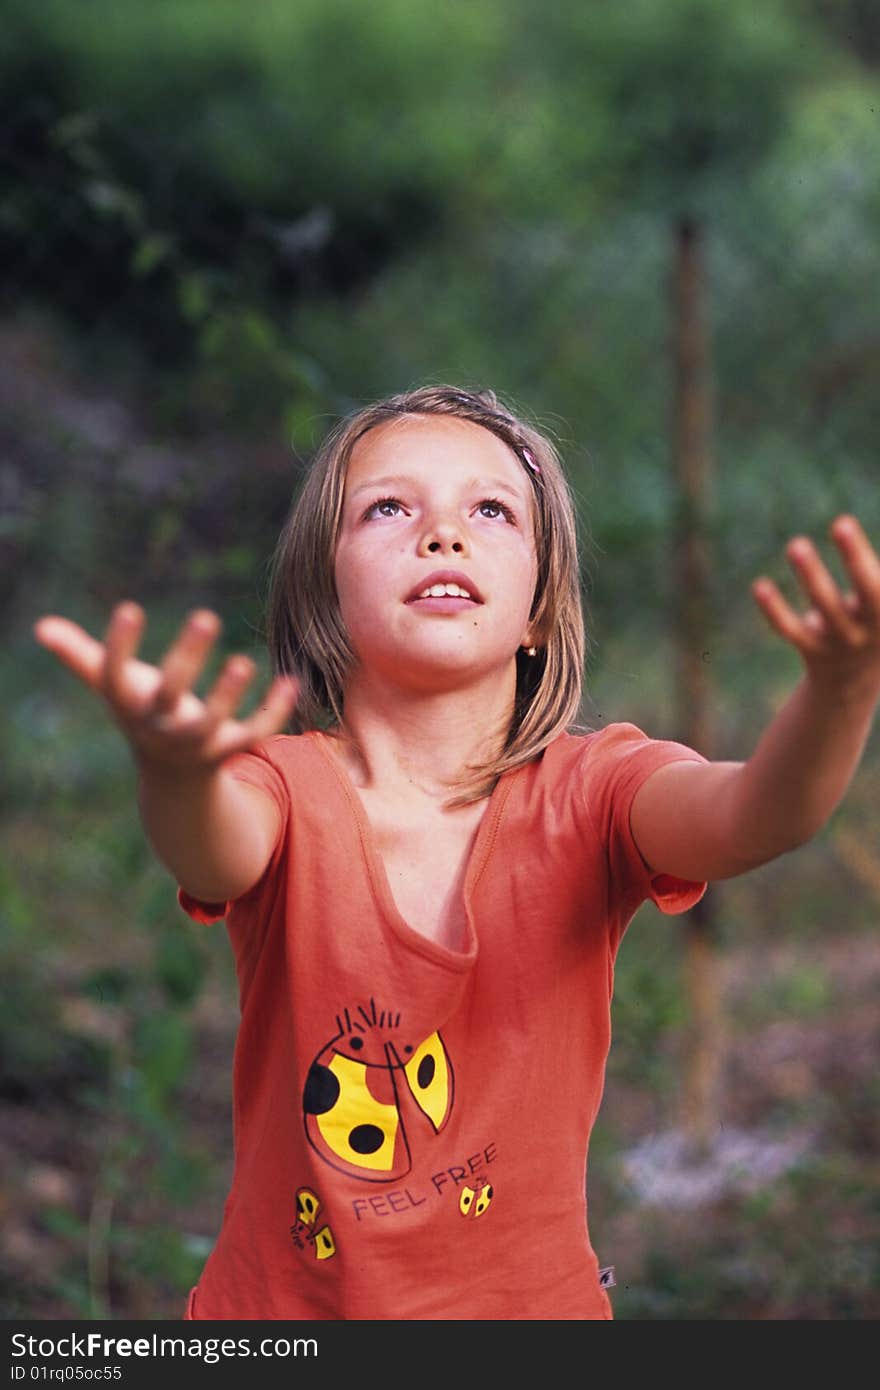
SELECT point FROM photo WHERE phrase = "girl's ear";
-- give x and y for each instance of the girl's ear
(531, 638)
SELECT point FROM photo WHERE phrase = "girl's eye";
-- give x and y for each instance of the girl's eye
(500, 506)
(383, 502)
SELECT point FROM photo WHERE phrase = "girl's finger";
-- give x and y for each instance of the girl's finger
(862, 562)
(228, 690)
(277, 708)
(121, 641)
(820, 587)
(72, 645)
(781, 616)
(853, 605)
(185, 659)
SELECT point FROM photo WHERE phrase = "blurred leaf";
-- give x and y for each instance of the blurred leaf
(111, 984)
(161, 1054)
(150, 253)
(64, 1223)
(180, 964)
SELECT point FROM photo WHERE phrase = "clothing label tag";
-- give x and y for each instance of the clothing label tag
(606, 1277)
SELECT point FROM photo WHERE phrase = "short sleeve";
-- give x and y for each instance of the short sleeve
(257, 769)
(619, 760)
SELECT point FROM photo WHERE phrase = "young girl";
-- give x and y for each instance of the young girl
(426, 884)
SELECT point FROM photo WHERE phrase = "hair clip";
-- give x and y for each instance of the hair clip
(527, 456)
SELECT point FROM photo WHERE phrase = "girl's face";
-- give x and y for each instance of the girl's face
(428, 493)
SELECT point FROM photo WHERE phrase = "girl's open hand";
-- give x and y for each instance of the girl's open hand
(839, 635)
(168, 726)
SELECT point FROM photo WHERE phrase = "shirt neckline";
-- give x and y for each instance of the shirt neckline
(483, 841)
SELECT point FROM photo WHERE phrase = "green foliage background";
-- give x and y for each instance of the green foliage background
(222, 225)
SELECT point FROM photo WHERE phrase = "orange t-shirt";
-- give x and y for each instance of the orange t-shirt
(411, 1123)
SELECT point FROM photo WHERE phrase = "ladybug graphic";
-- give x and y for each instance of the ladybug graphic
(369, 1088)
(473, 1201)
(308, 1204)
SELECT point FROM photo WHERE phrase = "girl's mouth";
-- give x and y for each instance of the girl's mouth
(445, 603)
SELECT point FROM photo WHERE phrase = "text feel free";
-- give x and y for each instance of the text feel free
(402, 1199)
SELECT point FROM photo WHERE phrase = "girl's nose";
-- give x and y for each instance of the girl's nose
(443, 535)
(443, 529)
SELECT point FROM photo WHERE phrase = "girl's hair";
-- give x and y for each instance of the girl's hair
(305, 630)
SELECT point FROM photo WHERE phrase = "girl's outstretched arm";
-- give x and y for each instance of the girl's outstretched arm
(713, 820)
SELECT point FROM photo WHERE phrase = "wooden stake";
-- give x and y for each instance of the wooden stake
(693, 468)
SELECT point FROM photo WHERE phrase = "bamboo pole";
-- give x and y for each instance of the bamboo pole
(692, 447)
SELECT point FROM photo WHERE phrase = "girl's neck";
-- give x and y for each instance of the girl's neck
(415, 757)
